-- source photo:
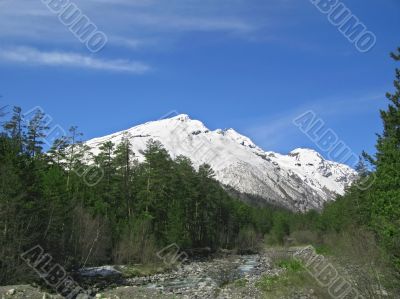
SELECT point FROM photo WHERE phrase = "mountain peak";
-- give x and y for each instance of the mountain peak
(301, 180)
(303, 151)
(306, 155)
(181, 117)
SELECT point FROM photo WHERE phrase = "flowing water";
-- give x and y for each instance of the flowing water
(245, 265)
(250, 262)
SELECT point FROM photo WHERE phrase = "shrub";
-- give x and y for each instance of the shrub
(137, 245)
(305, 237)
(291, 265)
(247, 240)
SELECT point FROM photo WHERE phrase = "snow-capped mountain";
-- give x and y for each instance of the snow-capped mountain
(301, 180)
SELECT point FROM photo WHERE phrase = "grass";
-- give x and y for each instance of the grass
(240, 283)
(323, 250)
(291, 265)
(269, 284)
(294, 272)
(294, 279)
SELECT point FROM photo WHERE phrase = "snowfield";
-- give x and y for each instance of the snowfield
(300, 181)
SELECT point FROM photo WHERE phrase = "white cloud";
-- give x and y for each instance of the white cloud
(31, 56)
(130, 25)
(143, 19)
(131, 43)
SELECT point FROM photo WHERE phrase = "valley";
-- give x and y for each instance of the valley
(218, 277)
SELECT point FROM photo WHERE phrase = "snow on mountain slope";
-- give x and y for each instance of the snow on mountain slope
(300, 181)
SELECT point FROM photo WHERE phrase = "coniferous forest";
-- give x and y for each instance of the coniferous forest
(137, 208)
(127, 212)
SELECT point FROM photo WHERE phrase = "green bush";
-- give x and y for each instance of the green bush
(291, 265)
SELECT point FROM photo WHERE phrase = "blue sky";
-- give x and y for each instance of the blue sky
(253, 65)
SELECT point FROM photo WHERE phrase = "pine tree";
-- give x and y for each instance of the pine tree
(124, 163)
(179, 212)
(14, 127)
(158, 188)
(21, 203)
(154, 171)
(104, 160)
(36, 134)
(75, 154)
(58, 152)
(44, 200)
(384, 198)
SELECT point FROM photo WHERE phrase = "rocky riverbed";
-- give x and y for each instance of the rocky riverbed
(232, 276)
(229, 277)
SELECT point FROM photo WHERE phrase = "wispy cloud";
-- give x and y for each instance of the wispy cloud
(143, 19)
(131, 43)
(32, 56)
(265, 131)
(131, 25)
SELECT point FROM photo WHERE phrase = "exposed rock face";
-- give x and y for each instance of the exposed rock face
(300, 181)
